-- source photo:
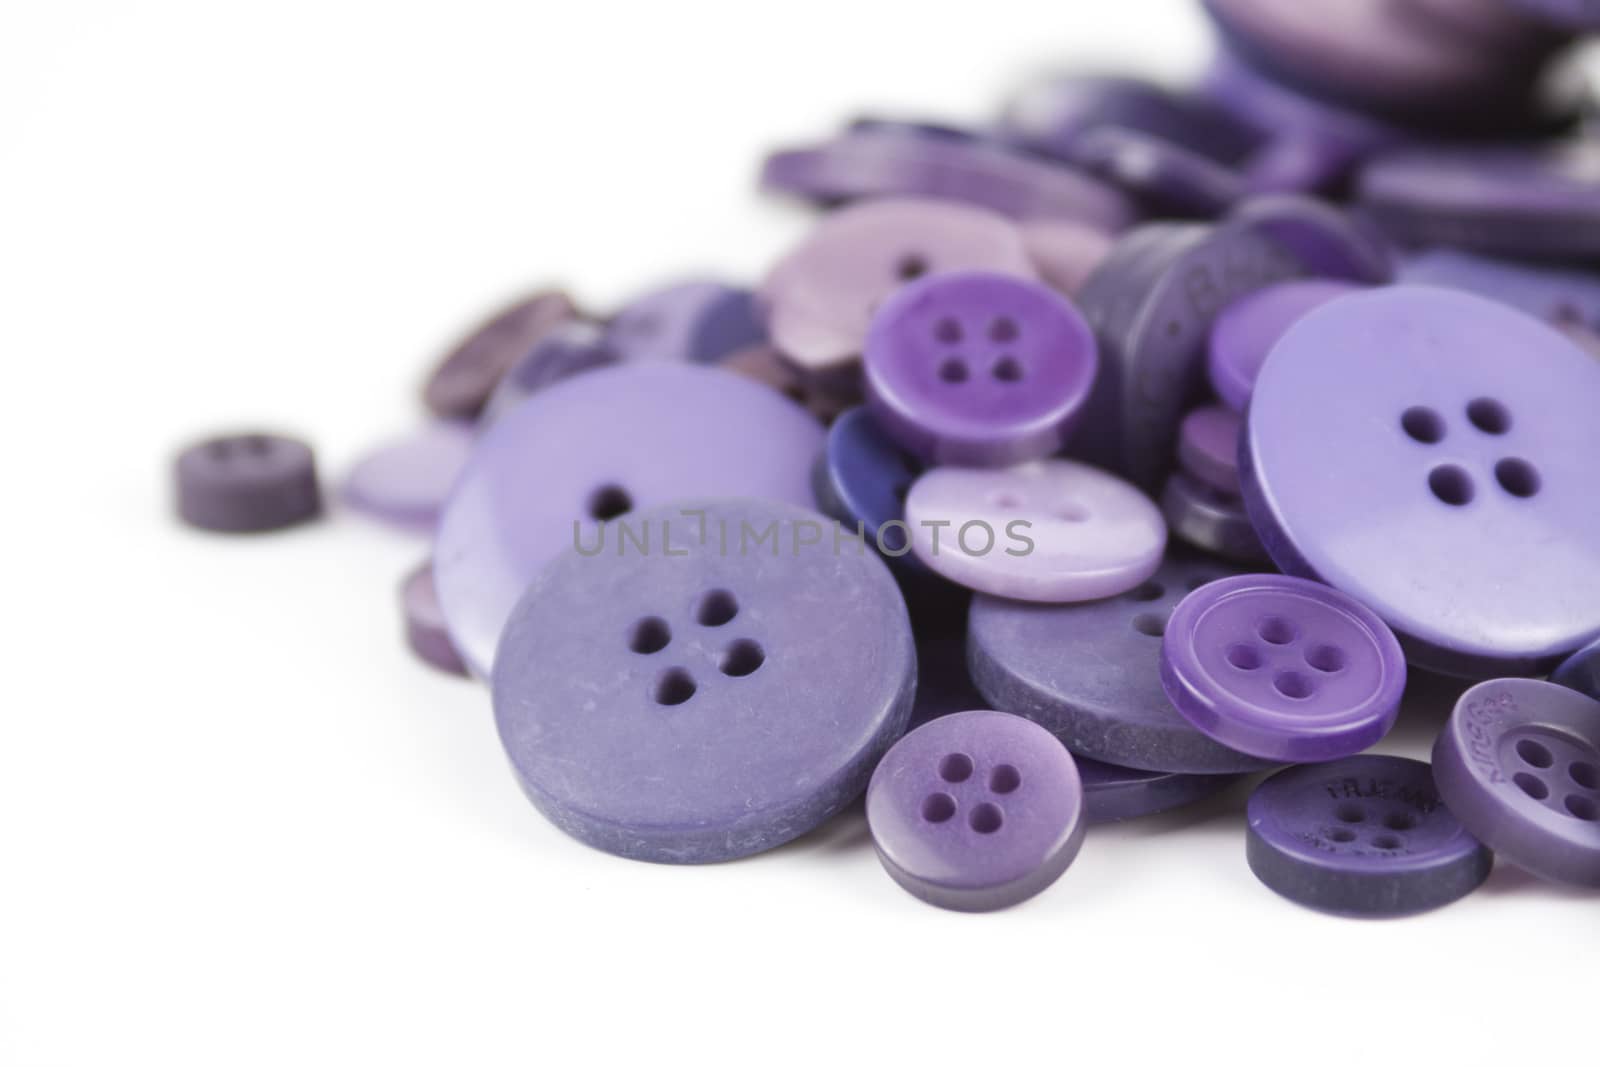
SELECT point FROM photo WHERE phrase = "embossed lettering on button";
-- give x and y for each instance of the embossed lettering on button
(703, 698)
(1396, 410)
(979, 369)
(1053, 530)
(1519, 764)
(1282, 668)
(976, 811)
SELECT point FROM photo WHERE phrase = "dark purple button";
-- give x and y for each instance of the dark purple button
(406, 482)
(426, 633)
(825, 399)
(687, 322)
(1282, 668)
(1366, 836)
(1065, 252)
(705, 698)
(1393, 451)
(1567, 14)
(570, 349)
(1090, 673)
(976, 811)
(1115, 794)
(979, 369)
(864, 478)
(247, 483)
(1581, 671)
(461, 384)
(1208, 447)
(1519, 764)
(1244, 334)
(1171, 181)
(1210, 520)
(1326, 241)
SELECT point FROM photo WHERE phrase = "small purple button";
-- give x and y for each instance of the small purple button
(247, 483)
(1519, 764)
(1366, 836)
(1208, 447)
(1210, 520)
(1282, 668)
(979, 369)
(1244, 334)
(687, 322)
(406, 482)
(1115, 794)
(976, 811)
(461, 384)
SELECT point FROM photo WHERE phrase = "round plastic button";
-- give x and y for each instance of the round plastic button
(688, 322)
(407, 482)
(1519, 764)
(426, 633)
(1065, 252)
(1053, 530)
(1366, 836)
(1170, 180)
(1244, 334)
(864, 477)
(979, 369)
(570, 349)
(1091, 673)
(1282, 668)
(1567, 299)
(1115, 794)
(1210, 520)
(596, 448)
(1397, 410)
(976, 811)
(1581, 671)
(1208, 447)
(460, 386)
(821, 297)
(247, 483)
(708, 697)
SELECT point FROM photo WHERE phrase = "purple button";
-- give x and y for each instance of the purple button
(1282, 668)
(1394, 452)
(1519, 764)
(1210, 520)
(687, 322)
(707, 697)
(1169, 180)
(1090, 673)
(406, 482)
(1208, 447)
(426, 633)
(1581, 671)
(979, 369)
(820, 298)
(763, 363)
(596, 448)
(1244, 334)
(570, 349)
(1567, 299)
(1366, 836)
(1567, 14)
(976, 811)
(1115, 794)
(247, 483)
(1051, 531)
(1065, 252)
(460, 386)
(1326, 241)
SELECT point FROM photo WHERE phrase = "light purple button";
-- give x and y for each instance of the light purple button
(1393, 451)
(820, 298)
(1519, 764)
(1171, 181)
(1208, 446)
(1065, 252)
(976, 811)
(1052, 531)
(1282, 668)
(979, 369)
(406, 482)
(1566, 298)
(1243, 335)
(596, 448)
(461, 384)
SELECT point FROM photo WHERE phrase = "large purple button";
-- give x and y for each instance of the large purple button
(979, 369)
(821, 297)
(1519, 764)
(1091, 673)
(407, 482)
(1282, 668)
(1394, 452)
(1244, 334)
(1366, 836)
(707, 697)
(976, 811)
(593, 449)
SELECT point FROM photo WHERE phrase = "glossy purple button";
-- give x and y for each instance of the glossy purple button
(820, 298)
(687, 322)
(1208, 446)
(1051, 531)
(462, 383)
(1581, 671)
(826, 400)
(979, 369)
(1394, 452)
(976, 811)
(1210, 520)
(247, 483)
(406, 482)
(1568, 299)
(1116, 794)
(596, 448)
(1090, 673)
(707, 697)
(1282, 668)
(426, 633)
(1171, 181)
(1519, 764)
(1366, 836)
(1065, 252)
(1244, 334)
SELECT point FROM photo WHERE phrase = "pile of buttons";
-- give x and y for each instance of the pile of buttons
(1070, 470)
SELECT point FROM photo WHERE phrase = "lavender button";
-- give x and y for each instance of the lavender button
(406, 482)
(1247, 330)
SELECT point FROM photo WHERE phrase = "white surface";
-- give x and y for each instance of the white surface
(238, 824)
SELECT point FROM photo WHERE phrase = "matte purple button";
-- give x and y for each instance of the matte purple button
(1366, 836)
(1053, 530)
(976, 811)
(1116, 794)
(820, 298)
(1244, 334)
(979, 369)
(1394, 452)
(1282, 668)
(247, 483)
(426, 633)
(1090, 673)
(460, 386)
(1208, 447)
(707, 697)
(596, 448)
(1519, 764)
(406, 482)
(687, 322)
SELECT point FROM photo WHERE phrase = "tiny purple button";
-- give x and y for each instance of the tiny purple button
(1282, 668)
(979, 369)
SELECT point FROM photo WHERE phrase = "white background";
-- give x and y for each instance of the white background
(238, 824)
